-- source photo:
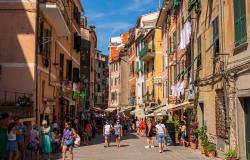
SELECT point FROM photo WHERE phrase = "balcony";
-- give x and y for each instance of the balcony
(16, 104)
(147, 53)
(55, 12)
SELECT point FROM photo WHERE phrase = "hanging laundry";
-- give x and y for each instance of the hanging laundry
(185, 35)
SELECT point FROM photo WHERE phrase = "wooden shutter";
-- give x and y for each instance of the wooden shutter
(240, 21)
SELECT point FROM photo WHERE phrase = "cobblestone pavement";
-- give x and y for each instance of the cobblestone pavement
(132, 148)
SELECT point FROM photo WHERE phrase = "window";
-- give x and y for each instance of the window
(132, 68)
(69, 70)
(175, 40)
(240, 30)
(61, 66)
(76, 74)
(103, 72)
(199, 58)
(103, 65)
(43, 87)
(113, 96)
(175, 72)
(99, 64)
(216, 44)
(178, 33)
(46, 47)
(142, 88)
(170, 45)
(115, 81)
(153, 91)
(99, 75)
(76, 14)
(41, 37)
(98, 88)
(170, 78)
(77, 42)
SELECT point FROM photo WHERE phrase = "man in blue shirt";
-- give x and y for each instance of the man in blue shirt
(21, 133)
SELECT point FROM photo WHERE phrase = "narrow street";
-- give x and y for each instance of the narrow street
(132, 147)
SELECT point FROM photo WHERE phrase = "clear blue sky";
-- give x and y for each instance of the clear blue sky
(113, 17)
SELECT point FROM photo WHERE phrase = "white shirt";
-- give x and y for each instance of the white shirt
(11, 136)
(107, 129)
(160, 128)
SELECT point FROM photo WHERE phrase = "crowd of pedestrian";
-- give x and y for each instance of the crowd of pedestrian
(39, 141)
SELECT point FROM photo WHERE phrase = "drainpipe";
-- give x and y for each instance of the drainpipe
(36, 58)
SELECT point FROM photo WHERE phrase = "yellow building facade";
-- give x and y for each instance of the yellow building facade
(152, 57)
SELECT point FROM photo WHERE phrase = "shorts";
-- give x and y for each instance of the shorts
(118, 136)
(12, 146)
(107, 136)
(69, 145)
(161, 138)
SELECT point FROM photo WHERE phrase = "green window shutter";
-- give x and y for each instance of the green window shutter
(137, 68)
(240, 22)
(142, 66)
(199, 60)
(153, 42)
(175, 40)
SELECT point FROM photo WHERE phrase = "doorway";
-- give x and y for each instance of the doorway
(247, 124)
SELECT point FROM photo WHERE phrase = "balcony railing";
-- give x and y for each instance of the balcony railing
(147, 53)
(16, 104)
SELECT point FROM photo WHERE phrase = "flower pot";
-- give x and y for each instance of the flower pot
(202, 149)
(193, 145)
(211, 154)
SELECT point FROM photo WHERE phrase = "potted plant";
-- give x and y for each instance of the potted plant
(210, 150)
(231, 154)
(177, 128)
(202, 132)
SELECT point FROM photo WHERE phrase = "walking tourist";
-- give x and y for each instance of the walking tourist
(161, 132)
(4, 136)
(45, 139)
(142, 127)
(21, 133)
(149, 134)
(137, 125)
(106, 133)
(69, 135)
(33, 145)
(184, 134)
(12, 145)
(55, 142)
(118, 132)
(88, 131)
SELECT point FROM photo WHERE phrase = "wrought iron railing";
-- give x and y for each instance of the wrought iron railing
(16, 104)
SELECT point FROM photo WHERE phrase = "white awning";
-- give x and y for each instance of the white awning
(158, 114)
(172, 107)
(97, 109)
(110, 109)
